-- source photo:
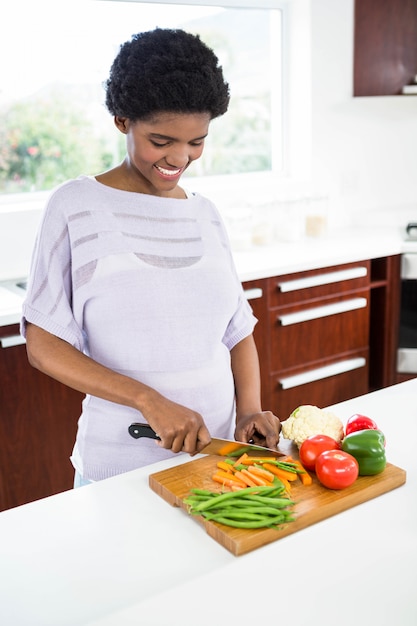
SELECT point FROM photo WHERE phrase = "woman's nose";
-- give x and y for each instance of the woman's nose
(178, 156)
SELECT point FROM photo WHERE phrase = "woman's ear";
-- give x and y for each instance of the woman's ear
(122, 123)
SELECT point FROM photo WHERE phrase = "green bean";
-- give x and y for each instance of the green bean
(261, 511)
(285, 465)
(204, 492)
(249, 524)
(278, 502)
(242, 515)
(231, 495)
(252, 507)
(248, 503)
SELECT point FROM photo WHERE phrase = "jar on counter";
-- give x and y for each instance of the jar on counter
(316, 216)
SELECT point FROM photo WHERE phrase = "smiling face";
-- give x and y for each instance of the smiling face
(160, 149)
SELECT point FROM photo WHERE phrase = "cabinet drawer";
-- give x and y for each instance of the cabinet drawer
(324, 389)
(324, 283)
(316, 332)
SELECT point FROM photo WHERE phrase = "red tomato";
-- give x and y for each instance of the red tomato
(359, 422)
(313, 446)
(336, 469)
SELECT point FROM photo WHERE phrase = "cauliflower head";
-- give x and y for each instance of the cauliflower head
(308, 420)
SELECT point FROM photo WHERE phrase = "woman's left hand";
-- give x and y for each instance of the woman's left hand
(260, 428)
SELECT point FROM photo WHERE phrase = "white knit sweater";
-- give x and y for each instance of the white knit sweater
(146, 286)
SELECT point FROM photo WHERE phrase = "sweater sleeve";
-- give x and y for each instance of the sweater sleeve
(241, 325)
(48, 302)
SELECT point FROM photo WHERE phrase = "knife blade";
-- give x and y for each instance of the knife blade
(219, 447)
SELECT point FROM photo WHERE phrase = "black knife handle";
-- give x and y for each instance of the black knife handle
(142, 430)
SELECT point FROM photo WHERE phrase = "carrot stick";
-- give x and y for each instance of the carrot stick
(241, 460)
(256, 479)
(287, 485)
(262, 473)
(225, 466)
(290, 476)
(226, 482)
(246, 479)
(227, 475)
(251, 460)
(303, 475)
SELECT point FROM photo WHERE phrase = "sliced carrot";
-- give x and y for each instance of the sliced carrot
(290, 476)
(227, 475)
(262, 482)
(229, 448)
(226, 482)
(303, 475)
(246, 479)
(251, 460)
(263, 473)
(225, 466)
(287, 485)
(241, 460)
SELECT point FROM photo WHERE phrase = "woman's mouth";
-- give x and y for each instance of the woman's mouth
(169, 174)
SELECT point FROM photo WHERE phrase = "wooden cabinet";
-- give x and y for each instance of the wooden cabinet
(385, 46)
(326, 335)
(384, 321)
(38, 421)
(319, 336)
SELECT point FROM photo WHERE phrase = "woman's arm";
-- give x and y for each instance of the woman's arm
(252, 423)
(179, 428)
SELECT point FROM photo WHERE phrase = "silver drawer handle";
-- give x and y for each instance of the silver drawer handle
(13, 340)
(322, 279)
(322, 311)
(253, 294)
(322, 372)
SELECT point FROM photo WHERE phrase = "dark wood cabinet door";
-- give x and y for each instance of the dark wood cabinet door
(385, 46)
(324, 392)
(38, 422)
(326, 337)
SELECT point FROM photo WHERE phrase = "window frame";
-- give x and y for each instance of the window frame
(296, 126)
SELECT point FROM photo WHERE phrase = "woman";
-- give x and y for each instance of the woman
(133, 297)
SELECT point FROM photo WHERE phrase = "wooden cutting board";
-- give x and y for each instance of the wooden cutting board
(313, 503)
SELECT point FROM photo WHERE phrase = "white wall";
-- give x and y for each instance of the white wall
(363, 149)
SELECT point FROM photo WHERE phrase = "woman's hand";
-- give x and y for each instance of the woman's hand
(252, 424)
(180, 429)
(261, 428)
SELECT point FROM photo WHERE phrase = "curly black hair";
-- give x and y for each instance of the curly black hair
(166, 70)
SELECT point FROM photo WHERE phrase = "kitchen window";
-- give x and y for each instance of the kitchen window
(53, 123)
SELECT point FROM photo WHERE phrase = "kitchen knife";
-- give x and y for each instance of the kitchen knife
(220, 447)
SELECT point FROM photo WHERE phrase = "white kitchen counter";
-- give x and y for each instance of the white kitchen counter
(116, 554)
(353, 244)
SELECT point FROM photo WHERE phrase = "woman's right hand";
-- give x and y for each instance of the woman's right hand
(179, 428)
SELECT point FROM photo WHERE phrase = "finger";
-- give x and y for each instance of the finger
(202, 440)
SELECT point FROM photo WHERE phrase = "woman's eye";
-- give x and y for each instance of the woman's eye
(159, 145)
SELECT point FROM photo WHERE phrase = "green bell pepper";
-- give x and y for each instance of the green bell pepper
(368, 448)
